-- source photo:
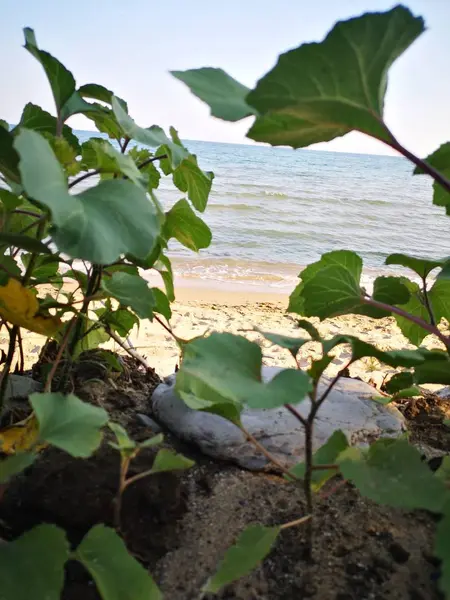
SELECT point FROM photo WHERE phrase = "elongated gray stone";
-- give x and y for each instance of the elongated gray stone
(348, 407)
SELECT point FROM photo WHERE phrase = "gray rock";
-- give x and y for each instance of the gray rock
(444, 393)
(20, 386)
(146, 421)
(348, 407)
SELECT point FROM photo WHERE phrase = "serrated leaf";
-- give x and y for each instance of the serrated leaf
(153, 136)
(223, 94)
(167, 460)
(390, 290)
(421, 266)
(100, 155)
(69, 423)
(186, 227)
(19, 306)
(188, 177)
(252, 546)
(61, 80)
(321, 91)
(103, 222)
(35, 118)
(132, 291)
(284, 341)
(325, 455)
(34, 561)
(226, 369)
(393, 474)
(117, 574)
(440, 160)
(15, 464)
(24, 242)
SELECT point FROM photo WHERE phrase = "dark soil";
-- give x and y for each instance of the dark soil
(180, 525)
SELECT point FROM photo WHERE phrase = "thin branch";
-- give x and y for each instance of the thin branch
(402, 313)
(296, 414)
(137, 477)
(324, 396)
(21, 354)
(62, 347)
(427, 302)
(166, 327)
(130, 351)
(83, 177)
(296, 522)
(328, 493)
(267, 454)
(9, 358)
(150, 160)
(124, 146)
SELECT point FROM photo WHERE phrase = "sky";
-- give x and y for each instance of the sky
(130, 47)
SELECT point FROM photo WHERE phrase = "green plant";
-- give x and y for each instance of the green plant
(118, 230)
(316, 93)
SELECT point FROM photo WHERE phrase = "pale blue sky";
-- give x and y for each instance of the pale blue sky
(130, 46)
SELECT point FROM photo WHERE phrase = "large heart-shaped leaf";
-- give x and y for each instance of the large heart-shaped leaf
(34, 117)
(103, 222)
(320, 91)
(33, 565)
(421, 266)
(69, 423)
(117, 574)
(132, 291)
(223, 94)
(99, 154)
(188, 177)
(440, 160)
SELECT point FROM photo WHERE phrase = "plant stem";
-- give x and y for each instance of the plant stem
(427, 301)
(166, 327)
(130, 351)
(83, 177)
(8, 363)
(62, 347)
(124, 466)
(21, 355)
(124, 146)
(307, 489)
(300, 521)
(402, 313)
(296, 414)
(150, 160)
(267, 454)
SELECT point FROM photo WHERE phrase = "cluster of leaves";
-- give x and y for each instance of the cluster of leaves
(315, 93)
(118, 231)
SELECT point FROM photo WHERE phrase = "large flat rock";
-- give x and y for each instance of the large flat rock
(348, 407)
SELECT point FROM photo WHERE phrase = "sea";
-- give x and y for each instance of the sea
(272, 211)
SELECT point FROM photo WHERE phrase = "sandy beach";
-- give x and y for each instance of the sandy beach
(199, 310)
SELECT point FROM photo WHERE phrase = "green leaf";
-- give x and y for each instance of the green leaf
(226, 369)
(153, 136)
(103, 222)
(390, 290)
(12, 268)
(325, 455)
(188, 177)
(434, 371)
(393, 473)
(35, 118)
(141, 156)
(9, 201)
(399, 382)
(186, 227)
(33, 564)
(439, 160)
(105, 121)
(320, 91)
(69, 423)
(117, 574)
(92, 335)
(252, 546)
(421, 266)
(164, 268)
(124, 443)
(120, 320)
(153, 441)
(162, 304)
(442, 549)
(309, 328)
(443, 473)
(167, 460)
(61, 80)
(100, 155)
(24, 242)
(223, 94)
(284, 341)
(93, 91)
(9, 159)
(4, 124)
(15, 464)
(410, 392)
(132, 291)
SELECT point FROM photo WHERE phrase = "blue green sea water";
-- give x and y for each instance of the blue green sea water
(274, 210)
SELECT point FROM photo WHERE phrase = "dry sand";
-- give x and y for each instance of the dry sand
(198, 310)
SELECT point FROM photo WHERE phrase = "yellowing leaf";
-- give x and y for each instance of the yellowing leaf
(19, 306)
(21, 437)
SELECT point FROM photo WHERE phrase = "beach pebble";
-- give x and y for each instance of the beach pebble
(444, 393)
(21, 386)
(348, 407)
